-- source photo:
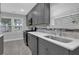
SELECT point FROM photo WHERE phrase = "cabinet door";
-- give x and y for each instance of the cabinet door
(54, 49)
(43, 49)
(38, 14)
(29, 19)
(1, 45)
(29, 40)
(46, 13)
(32, 42)
(41, 13)
(35, 19)
(74, 52)
(48, 48)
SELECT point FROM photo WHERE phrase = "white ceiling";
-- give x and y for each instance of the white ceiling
(17, 8)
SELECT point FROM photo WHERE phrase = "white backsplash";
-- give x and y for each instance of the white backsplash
(71, 34)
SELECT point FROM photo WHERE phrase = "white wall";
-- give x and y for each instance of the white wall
(62, 9)
(59, 9)
(14, 34)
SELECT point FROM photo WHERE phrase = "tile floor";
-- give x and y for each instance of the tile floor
(16, 48)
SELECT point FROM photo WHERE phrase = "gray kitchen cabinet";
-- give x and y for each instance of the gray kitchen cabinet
(34, 19)
(39, 15)
(1, 45)
(48, 48)
(54, 49)
(30, 15)
(40, 46)
(46, 13)
(43, 10)
(32, 43)
(29, 19)
(43, 49)
(74, 52)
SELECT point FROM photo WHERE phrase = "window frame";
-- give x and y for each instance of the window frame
(12, 23)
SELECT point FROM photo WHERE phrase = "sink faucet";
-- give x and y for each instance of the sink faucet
(58, 32)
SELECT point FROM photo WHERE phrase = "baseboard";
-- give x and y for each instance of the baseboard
(5, 40)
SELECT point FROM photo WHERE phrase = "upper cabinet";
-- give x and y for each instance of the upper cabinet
(47, 13)
(29, 19)
(39, 15)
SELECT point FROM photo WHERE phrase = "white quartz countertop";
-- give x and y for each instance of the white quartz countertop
(70, 46)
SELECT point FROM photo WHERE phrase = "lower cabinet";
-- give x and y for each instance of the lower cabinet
(32, 43)
(75, 52)
(43, 47)
(1, 45)
(48, 48)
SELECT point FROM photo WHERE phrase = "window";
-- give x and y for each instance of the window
(18, 24)
(6, 25)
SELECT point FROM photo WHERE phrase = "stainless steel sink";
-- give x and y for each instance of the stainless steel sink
(59, 39)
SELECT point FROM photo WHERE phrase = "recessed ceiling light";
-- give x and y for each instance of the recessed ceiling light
(22, 10)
